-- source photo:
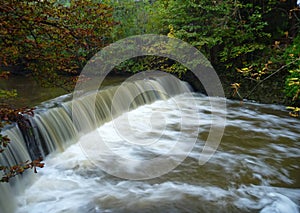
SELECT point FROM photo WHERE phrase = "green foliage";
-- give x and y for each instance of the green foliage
(49, 38)
(292, 56)
(293, 84)
(232, 34)
(244, 35)
(229, 33)
(54, 37)
(132, 18)
(144, 63)
(6, 94)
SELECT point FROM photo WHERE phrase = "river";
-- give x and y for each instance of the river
(255, 168)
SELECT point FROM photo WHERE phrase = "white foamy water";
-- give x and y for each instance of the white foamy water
(256, 167)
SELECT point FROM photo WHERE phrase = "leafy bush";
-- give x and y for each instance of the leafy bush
(292, 56)
(48, 37)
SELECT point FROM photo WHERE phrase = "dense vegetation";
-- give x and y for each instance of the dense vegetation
(243, 39)
(48, 39)
(252, 44)
(248, 41)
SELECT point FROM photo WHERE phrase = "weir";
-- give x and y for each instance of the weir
(55, 128)
(255, 168)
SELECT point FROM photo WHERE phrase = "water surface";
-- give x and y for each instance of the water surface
(255, 169)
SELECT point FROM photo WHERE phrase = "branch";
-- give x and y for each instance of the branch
(281, 68)
(63, 27)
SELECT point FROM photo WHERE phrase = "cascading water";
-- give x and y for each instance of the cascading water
(256, 167)
(53, 129)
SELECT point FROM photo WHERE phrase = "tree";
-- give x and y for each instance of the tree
(244, 39)
(50, 38)
(248, 36)
(47, 38)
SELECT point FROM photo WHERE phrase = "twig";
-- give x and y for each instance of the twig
(259, 83)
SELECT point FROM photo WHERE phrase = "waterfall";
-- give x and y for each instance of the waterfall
(53, 129)
(15, 153)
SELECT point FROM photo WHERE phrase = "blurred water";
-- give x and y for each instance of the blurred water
(255, 169)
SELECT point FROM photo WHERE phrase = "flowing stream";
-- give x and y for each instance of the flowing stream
(255, 168)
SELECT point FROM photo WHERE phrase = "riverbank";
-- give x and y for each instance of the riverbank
(269, 91)
(31, 93)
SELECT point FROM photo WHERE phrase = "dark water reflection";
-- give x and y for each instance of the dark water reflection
(31, 93)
